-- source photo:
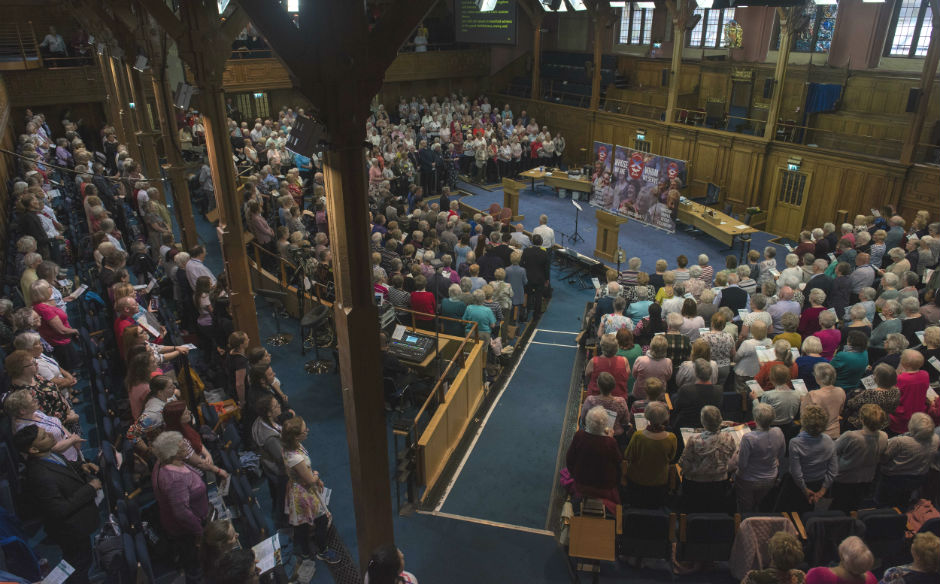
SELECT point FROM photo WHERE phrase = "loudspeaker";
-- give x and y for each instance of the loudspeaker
(913, 98)
(769, 87)
(183, 95)
(306, 136)
(665, 79)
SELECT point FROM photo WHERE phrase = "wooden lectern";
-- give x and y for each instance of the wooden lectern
(511, 190)
(608, 235)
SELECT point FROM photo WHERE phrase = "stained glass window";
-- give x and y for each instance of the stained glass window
(816, 37)
(911, 26)
(709, 31)
(636, 26)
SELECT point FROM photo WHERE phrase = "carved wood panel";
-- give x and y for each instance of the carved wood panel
(41, 87)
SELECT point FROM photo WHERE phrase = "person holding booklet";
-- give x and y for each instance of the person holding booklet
(880, 389)
(593, 458)
(780, 354)
(615, 406)
(706, 461)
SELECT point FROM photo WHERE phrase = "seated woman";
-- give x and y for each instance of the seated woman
(885, 395)
(608, 362)
(829, 396)
(852, 363)
(859, 453)
(655, 364)
(48, 368)
(905, 462)
(706, 462)
(593, 458)
(648, 456)
(855, 561)
(813, 463)
(786, 554)
(163, 354)
(759, 458)
(926, 553)
(782, 356)
(615, 404)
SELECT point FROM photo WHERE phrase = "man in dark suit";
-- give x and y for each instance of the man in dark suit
(819, 280)
(537, 266)
(427, 164)
(64, 494)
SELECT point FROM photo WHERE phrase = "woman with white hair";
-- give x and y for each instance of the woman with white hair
(905, 462)
(181, 499)
(926, 554)
(855, 561)
(706, 462)
(453, 308)
(792, 275)
(647, 459)
(593, 458)
(829, 397)
(758, 460)
(48, 368)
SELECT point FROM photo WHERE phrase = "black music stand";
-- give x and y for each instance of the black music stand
(576, 237)
(276, 298)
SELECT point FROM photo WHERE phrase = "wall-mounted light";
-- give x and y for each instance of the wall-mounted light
(794, 163)
(641, 134)
(132, 105)
(259, 95)
(618, 4)
(646, 5)
(577, 5)
(704, 3)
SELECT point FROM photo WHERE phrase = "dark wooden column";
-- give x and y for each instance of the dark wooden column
(113, 98)
(678, 10)
(537, 54)
(927, 77)
(124, 99)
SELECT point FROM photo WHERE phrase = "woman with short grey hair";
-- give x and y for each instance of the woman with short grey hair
(453, 307)
(758, 461)
(905, 462)
(855, 561)
(48, 368)
(829, 397)
(706, 462)
(593, 458)
(181, 498)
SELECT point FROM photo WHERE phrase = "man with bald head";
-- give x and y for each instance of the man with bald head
(864, 274)
(912, 383)
(520, 238)
(783, 305)
(124, 311)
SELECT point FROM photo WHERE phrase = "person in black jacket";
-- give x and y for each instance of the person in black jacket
(537, 266)
(64, 494)
(30, 224)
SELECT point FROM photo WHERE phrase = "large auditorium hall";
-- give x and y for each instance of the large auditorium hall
(380, 291)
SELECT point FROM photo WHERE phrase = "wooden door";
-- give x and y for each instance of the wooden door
(788, 202)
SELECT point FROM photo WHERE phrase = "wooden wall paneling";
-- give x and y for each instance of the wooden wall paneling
(439, 64)
(241, 75)
(41, 87)
(920, 190)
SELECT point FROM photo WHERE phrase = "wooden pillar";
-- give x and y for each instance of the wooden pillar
(780, 72)
(175, 168)
(927, 77)
(357, 333)
(600, 25)
(124, 99)
(227, 199)
(677, 9)
(537, 55)
(113, 99)
(150, 160)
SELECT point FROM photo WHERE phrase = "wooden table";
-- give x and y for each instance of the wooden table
(724, 228)
(561, 180)
(535, 174)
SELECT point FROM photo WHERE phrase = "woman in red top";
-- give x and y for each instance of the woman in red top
(424, 304)
(55, 328)
(782, 356)
(608, 362)
(535, 146)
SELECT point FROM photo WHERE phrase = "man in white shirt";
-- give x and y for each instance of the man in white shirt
(547, 233)
(196, 268)
(54, 42)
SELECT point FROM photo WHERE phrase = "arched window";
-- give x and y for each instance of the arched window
(817, 36)
(709, 32)
(911, 25)
(636, 25)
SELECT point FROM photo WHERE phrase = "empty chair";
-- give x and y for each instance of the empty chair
(885, 532)
(824, 531)
(647, 533)
(705, 537)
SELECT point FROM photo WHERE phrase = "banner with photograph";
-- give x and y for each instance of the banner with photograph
(603, 155)
(644, 187)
